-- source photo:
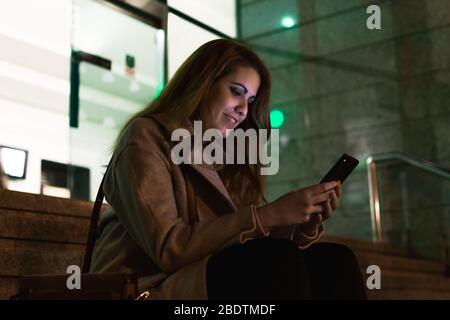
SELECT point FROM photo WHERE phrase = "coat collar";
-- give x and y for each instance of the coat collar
(207, 172)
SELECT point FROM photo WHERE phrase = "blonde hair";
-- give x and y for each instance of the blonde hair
(185, 96)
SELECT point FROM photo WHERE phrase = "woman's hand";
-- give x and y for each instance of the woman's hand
(296, 207)
(311, 227)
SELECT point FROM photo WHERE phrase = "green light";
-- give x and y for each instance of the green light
(158, 90)
(287, 22)
(276, 118)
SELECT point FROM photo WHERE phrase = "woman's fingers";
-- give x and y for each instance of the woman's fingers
(334, 201)
(329, 205)
(318, 199)
(338, 189)
(321, 197)
(327, 210)
(322, 187)
(314, 209)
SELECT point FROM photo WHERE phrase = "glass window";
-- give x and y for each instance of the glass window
(218, 14)
(109, 97)
(34, 83)
(183, 39)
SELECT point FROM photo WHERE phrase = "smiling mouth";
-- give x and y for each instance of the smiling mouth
(230, 118)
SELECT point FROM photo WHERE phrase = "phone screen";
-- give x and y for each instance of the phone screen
(341, 170)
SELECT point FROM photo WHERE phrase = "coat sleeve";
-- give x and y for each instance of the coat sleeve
(140, 189)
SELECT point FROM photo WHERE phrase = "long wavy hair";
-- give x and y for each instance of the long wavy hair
(184, 98)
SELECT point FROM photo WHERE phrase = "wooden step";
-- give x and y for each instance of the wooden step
(9, 286)
(414, 280)
(40, 246)
(367, 246)
(21, 257)
(18, 262)
(388, 262)
(23, 201)
(43, 226)
(409, 285)
(408, 294)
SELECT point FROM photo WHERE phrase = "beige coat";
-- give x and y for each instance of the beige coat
(148, 229)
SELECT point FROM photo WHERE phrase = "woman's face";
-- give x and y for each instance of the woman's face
(230, 98)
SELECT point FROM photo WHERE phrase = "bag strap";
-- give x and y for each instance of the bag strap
(93, 225)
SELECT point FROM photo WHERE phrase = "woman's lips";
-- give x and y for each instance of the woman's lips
(230, 121)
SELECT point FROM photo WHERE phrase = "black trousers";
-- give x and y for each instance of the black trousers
(277, 269)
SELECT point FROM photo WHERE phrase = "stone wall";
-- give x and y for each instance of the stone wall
(347, 89)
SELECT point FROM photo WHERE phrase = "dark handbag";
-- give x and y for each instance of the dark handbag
(104, 286)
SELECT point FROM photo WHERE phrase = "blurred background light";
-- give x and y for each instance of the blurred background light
(287, 22)
(276, 118)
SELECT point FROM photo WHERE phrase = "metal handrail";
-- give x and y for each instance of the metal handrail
(373, 182)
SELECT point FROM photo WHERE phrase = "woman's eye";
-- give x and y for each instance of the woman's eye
(235, 92)
(238, 93)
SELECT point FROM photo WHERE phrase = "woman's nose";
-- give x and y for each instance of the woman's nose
(242, 108)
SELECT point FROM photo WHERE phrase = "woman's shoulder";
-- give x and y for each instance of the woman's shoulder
(145, 133)
(145, 129)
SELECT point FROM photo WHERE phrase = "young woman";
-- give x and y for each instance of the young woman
(198, 231)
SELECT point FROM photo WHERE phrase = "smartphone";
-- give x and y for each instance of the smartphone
(341, 170)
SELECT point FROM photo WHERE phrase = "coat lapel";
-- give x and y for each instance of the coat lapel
(208, 174)
(214, 180)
